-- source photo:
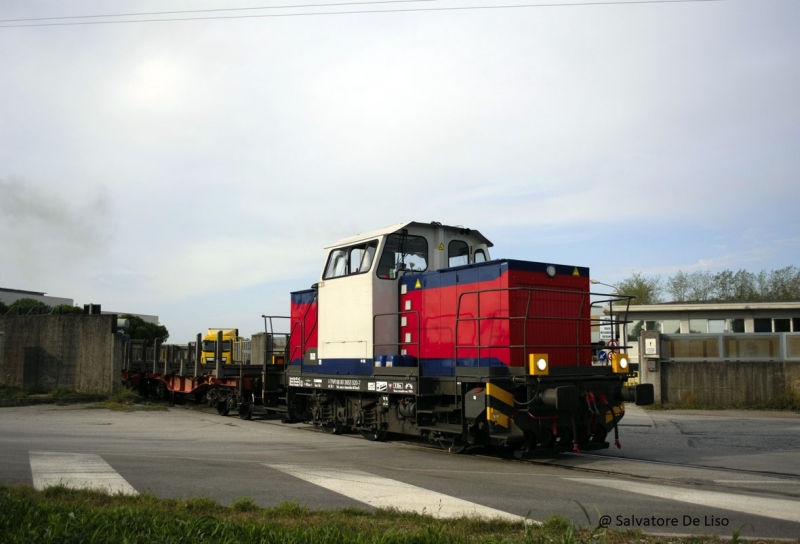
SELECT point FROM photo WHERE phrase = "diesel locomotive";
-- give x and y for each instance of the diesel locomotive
(415, 330)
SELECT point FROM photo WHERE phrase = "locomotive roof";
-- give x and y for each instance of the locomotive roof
(398, 226)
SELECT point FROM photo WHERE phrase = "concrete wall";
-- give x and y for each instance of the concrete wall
(727, 383)
(78, 352)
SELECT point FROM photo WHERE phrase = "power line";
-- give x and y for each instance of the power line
(358, 12)
(209, 10)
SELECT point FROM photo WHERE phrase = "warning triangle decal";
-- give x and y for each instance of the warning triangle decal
(417, 285)
(575, 272)
(441, 246)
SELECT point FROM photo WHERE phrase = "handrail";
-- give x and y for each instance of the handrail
(399, 313)
(526, 318)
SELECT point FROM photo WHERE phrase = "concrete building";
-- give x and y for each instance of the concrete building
(710, 318)
(9, 296)
(718, 353)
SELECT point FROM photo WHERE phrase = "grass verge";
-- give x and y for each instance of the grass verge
(10, 394)
(129, 401)
(60, 515)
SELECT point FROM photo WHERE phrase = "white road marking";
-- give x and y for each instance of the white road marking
(758, 506)
(76, 471)
(386, 493)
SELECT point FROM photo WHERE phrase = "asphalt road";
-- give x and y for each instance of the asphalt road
(677, 473)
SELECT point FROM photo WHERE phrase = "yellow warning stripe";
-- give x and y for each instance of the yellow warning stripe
(494, 390)
(492, 414)
(499, 405)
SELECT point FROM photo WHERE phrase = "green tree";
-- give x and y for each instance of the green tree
(646, 290)
(701, 285)
(62, 309)
(3, 308)
(143, 330)
(784, 283)
(25, 306)
(678, 286)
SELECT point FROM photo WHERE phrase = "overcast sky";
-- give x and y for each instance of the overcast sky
(195, 170)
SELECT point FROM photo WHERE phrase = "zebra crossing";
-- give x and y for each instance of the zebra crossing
(91, 471)
(76, 471)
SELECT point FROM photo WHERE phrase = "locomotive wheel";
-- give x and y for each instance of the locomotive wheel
(375, 435)
(222, 408)
(453, 445)
(246, 411)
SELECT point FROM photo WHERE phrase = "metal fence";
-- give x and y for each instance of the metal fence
(731, 347)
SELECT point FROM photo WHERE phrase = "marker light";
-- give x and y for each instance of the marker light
(551, 271)
(620, 363)
(538, 364)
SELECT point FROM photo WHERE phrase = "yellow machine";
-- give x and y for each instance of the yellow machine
(235, 349)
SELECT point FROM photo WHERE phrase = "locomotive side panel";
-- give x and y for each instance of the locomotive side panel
(496, 314)
(558, 312)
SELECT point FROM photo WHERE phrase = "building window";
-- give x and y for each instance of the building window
(736, 325)
(698, 326)
(782, 325)
(796, 324)
(635, 330)
(457, 253)
(716, 326)
(671, 326)
(762, 324)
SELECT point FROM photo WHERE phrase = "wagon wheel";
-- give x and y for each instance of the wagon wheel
(161, 390)
(222, 408)
(375, 435)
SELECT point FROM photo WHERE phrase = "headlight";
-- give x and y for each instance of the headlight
(620, 363)
(538, 364)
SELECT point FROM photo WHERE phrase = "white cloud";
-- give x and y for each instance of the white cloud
(652, 138)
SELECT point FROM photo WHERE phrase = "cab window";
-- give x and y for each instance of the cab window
(480, 256)
(403, 252)
(347, 261)
(457, 253)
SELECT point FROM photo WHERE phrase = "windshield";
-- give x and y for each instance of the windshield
(211, 346)
(403, 252)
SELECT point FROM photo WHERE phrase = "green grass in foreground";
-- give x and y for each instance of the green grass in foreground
(61, 515)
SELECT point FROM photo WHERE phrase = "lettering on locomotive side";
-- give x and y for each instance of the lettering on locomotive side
(401, 387)
(342, 384)
(295, 381)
